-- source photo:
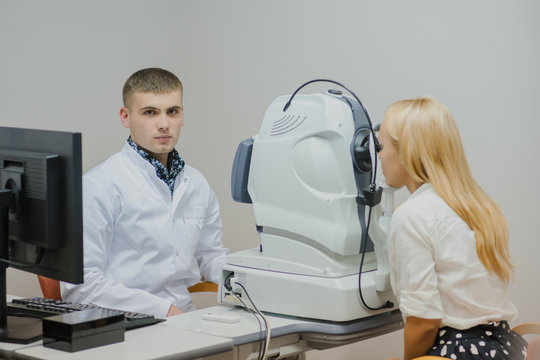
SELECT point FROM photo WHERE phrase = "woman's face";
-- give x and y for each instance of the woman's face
(393, 170)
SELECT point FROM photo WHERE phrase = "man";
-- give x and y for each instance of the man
(151, 222)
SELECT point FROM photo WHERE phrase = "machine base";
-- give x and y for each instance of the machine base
(322, 298)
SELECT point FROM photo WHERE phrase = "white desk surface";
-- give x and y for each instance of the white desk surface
(151, 342)
(189, 336)
(7, 350)
(246, 330)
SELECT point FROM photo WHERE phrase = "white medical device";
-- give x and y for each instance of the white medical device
(305, 173)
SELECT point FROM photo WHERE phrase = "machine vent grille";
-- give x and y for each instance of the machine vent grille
(34, 169)
(286, 124)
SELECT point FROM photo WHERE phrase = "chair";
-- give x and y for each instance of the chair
(203, 286)
(51, 288)
(533, 349)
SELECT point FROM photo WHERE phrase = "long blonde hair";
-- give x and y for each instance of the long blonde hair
(426, 136)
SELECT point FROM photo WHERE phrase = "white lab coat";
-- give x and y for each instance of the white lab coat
(142, 248)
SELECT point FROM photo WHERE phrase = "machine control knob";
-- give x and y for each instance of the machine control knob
(336, 93)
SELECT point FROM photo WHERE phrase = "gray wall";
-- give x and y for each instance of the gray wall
(63, 63)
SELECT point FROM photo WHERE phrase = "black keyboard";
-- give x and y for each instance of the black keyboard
(42, 307)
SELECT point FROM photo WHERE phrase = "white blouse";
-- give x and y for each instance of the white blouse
(435, 271)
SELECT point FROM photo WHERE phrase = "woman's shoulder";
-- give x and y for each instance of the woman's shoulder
(423, 206)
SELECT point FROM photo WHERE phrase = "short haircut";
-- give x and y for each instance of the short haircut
(154, 80)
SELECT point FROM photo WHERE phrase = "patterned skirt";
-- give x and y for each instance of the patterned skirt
(483, 342)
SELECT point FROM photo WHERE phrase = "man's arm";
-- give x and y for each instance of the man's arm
(211, 255)
(173, 310)
(100, 210)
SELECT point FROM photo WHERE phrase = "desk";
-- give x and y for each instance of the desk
(152, 342)
(7, 350)
(189, 336)
(291, 337)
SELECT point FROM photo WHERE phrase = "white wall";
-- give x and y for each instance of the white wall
(63, 63)
(480, 58)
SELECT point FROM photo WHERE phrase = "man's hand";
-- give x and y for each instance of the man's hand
(173, 310)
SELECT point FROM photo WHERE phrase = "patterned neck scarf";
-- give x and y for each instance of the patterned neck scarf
(175, 164)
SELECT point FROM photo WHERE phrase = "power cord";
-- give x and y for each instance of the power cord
(388, 304)
(266, 324)
(370, 197)
(264, 342)
(376, 144)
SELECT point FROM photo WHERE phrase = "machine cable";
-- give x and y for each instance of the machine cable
(264, 341)
(376, 144)
(265, 320)
(370, 197)
(388, 304)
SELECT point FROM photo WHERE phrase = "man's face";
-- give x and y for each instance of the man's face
(154, 121)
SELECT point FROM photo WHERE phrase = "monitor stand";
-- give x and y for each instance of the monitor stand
(13, 329)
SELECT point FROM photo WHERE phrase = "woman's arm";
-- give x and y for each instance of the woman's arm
(419, 336)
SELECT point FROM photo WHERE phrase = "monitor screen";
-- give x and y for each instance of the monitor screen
(43, 169)
(41, 204)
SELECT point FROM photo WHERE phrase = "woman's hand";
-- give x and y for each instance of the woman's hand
(420, 335)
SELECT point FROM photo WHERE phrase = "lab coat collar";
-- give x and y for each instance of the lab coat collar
(180, 186)
(181, 182)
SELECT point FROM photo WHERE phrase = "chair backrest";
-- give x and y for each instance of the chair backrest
(203, 286)
(50, 288)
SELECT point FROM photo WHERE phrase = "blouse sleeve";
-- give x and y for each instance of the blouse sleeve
(413, 276)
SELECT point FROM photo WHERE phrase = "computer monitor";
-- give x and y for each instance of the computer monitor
(40, 214)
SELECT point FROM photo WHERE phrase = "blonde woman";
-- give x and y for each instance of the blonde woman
(448, 242)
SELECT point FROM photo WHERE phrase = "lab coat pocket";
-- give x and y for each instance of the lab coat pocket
(191, 233)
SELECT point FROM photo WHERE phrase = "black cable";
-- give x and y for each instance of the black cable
(386, 305)
(262, 340)
(372, 185)
(376, 144)
(227, 282)
(262, 316)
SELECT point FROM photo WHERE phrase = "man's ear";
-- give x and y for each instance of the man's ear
(124, 117)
